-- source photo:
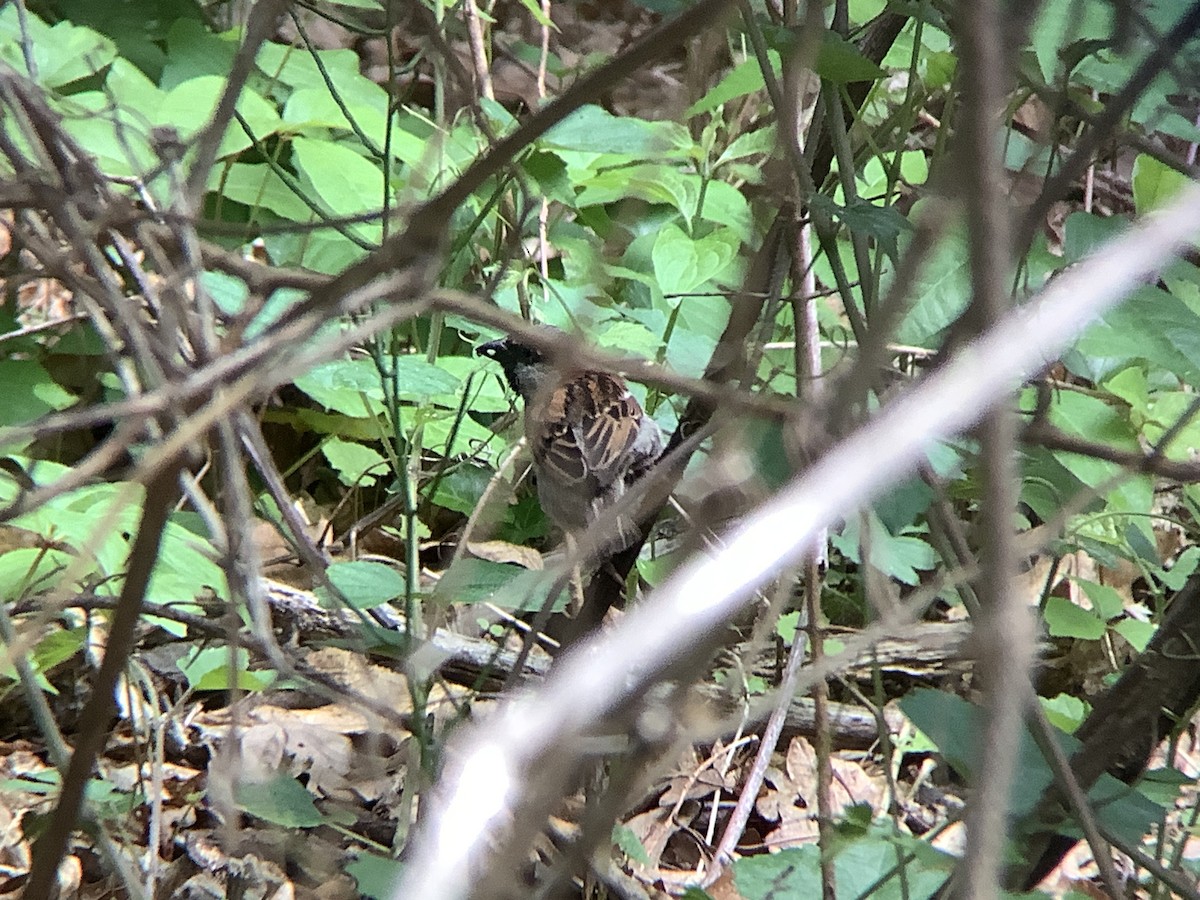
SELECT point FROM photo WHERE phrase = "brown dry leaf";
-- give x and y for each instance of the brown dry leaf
(688, 784)
(793, 831)
(354, 672)
(724, 887)
(777, 794)
(315, 742)
(653, 828)
(851, 784)
(504, 552)
(792, 798)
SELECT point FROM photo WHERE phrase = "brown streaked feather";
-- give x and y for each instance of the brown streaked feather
(588, 425)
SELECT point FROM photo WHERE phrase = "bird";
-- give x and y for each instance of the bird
(588, 435)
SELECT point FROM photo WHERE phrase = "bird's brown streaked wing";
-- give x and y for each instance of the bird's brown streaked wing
(605, 419)
(553, 439)
(586, 428)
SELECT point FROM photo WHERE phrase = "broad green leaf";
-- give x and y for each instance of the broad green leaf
(507, 586)
(883, 223)
(347, 183)
(461, 488)
(349, 386)
(1059, 25)
(29, 392)
(257, 186)
(208, 669)
(1151, 325)
(628, 338)
(760, 142)
(594, 129)
(62, 53)
(185, 569)
(366, 584)
(30, 570)
(188, 107)
(1165, 411)
(1155, 184)
(1065, 619)
(417, 378)
(1066, 713)
(193, 50)
(113, 124)
(280, 801)
(357, 465)
(744, 78)
(550, 173)
(683, 264)
(865, 865)
(296, 68)
(1182, 569)
(1138, 633)
(726, 205)
(626, 840)
(955, 725)
(842, 62)
(940, 292)
(900, 556)
(376, 876)
(309, 108)
(1107, 602)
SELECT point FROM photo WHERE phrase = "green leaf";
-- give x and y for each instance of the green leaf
(62, 53)
(259, 187)
(745, 78)
(188, 107)
(366, 584)
(1059, 26)
(207, 669)
(29, 570)
(1138, 633)
(376, 876)
(462, 487)
(628, 338)
(941, 291)
(1151, 325)
(509, 587)
(356, 464)
(1107, 602)
(625, 840)
(955, 725)
(1155, 184)
(348, 386)
(550, 173)
(1065, 619)
(193, 50)
(417, 378)
(884, 223)
(29, 392)
(900, 556)
(346, 182)
(1066, 713)
(281, 801)
(595, 130)
(682, 264)
(842, 62)
(1182, 569)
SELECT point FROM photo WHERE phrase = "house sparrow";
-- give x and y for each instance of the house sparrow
(588, 436)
